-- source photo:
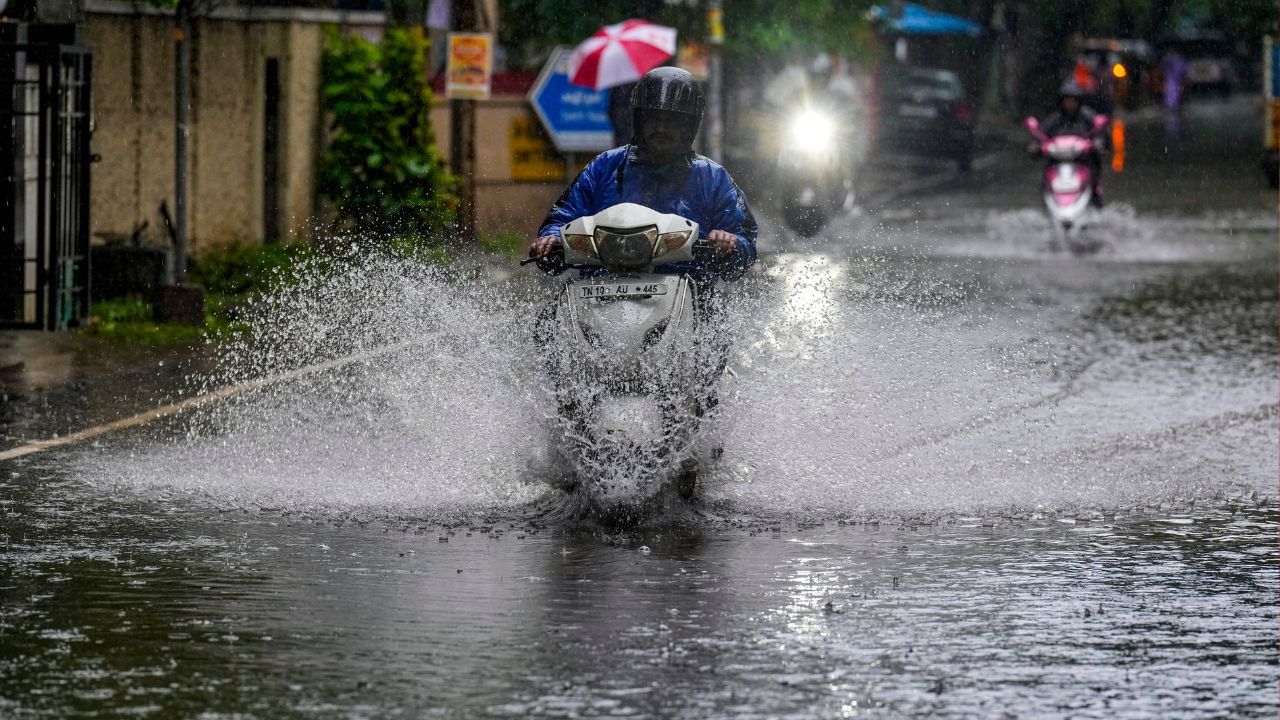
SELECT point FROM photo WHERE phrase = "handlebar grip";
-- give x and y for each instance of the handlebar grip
(552, 263)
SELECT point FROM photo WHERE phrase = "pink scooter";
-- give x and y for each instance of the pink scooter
(1068, 181)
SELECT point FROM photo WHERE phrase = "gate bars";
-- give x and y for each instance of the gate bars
(45, 117)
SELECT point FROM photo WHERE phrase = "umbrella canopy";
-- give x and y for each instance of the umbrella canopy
(917, 20)
(621, 53)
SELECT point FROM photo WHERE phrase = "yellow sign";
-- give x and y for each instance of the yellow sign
(533, 157)
(715, 25)
(694, 58)
(1275, 124)
(469, 74)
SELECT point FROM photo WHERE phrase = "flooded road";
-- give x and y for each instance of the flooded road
(963, 476)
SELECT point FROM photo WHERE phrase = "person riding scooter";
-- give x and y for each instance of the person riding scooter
(659, 170)
(1074, 118)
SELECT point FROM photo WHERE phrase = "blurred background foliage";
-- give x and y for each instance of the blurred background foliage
(768, 29)
(755, 28)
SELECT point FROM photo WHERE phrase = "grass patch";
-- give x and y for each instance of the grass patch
(130, 320)
(229, 276)
(244, 269)
(233, 274)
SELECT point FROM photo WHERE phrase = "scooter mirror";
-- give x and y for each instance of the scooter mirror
(1031, 124)
(1099, 122)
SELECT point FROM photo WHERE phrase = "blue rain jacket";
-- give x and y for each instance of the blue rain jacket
(699, 190)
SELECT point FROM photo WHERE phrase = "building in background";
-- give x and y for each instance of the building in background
(257, 126)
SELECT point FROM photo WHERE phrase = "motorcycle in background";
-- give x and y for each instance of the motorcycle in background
(812, 171)
(1069, 181)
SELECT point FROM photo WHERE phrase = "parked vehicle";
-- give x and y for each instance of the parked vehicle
(927, 111)
(1068, 181)
(1209, 61)
(1125, 65)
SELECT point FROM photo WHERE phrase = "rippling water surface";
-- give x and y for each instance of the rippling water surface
(157, 608)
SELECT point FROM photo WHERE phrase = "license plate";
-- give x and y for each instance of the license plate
(917, 111)
(615, 290)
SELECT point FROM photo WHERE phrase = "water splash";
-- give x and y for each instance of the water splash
(1117, 233)
(876, 386)
(438, 416)
(864, 384)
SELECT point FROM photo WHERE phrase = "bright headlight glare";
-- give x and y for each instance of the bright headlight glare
(581, 243)
(670, 242)
(812, 130)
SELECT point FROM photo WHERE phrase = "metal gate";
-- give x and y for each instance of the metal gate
(44, 177)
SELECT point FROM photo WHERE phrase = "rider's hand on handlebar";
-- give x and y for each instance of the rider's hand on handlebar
(722, 240)
(543, 246)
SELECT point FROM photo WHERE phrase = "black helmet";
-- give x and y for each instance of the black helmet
(670, 89)
(1071, 88)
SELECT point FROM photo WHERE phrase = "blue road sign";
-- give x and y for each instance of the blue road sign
(1273, 52)
(577, 118)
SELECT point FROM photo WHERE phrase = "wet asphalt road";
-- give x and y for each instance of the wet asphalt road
(964, 476)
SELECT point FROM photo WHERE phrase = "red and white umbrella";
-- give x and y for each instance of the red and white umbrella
(619, 54)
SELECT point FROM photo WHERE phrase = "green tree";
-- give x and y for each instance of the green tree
(766, 29)
(382, 170)
(531, 28)
(755, 29)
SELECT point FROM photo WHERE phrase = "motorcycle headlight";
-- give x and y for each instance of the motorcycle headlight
(813, 131)
(626, 248)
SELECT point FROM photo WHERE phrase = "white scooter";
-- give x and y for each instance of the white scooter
(632, 376)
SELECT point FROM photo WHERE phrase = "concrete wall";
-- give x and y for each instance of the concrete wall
(502, 203)
(133, 117)
(133, 125)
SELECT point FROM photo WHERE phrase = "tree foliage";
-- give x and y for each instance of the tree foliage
(764, 29)
(531, 28)
(754, 29)
(381, 169)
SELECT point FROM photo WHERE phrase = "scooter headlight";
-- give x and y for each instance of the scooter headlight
(670, 242)
(626, 248)
(813, 132)
(581, 243)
